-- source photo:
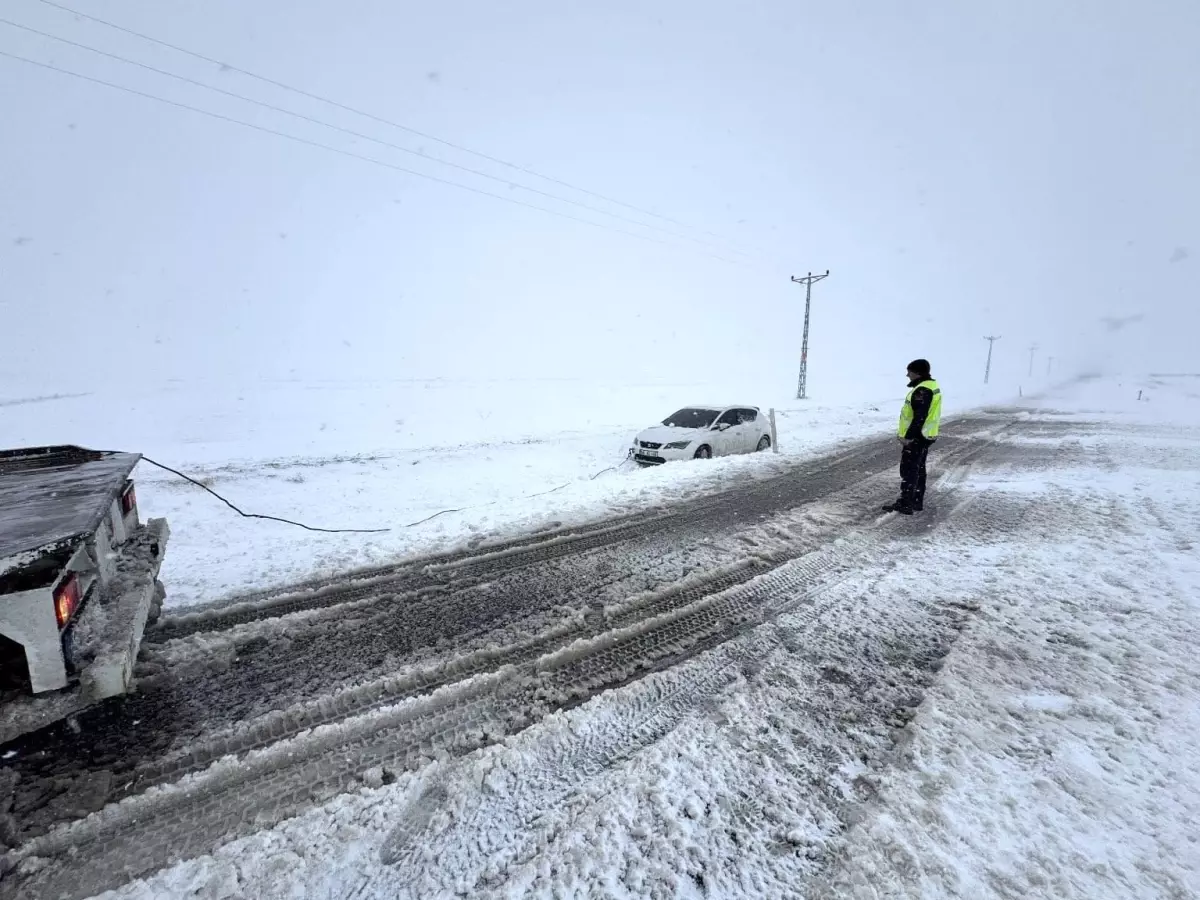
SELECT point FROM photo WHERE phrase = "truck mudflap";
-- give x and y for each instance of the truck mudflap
(105, 639)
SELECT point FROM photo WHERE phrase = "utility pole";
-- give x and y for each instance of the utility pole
(991, 339)
(1049, 363)
(807, 281)
(1031, 351)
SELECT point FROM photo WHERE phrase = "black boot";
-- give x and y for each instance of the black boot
(899, 506)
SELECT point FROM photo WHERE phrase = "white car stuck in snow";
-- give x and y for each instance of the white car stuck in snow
(702, 432)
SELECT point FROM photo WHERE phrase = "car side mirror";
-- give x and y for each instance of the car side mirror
(723, 426)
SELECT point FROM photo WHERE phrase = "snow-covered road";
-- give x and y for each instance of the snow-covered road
(769, 692)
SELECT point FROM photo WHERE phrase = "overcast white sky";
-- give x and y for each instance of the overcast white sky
(1020, 168)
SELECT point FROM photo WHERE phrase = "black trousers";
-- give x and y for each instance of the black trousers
(912, 473)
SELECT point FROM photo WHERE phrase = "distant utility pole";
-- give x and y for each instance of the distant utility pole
(1049, 364)
(991, 339)
(1031, 352)
(807, 281)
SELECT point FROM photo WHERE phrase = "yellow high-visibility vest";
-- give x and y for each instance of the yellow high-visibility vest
(932, 421)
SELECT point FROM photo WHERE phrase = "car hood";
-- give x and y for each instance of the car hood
(663, 434)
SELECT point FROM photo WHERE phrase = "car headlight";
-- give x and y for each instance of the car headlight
(677, 445)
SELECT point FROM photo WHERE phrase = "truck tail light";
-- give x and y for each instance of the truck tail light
(66, 600)
(128, 500)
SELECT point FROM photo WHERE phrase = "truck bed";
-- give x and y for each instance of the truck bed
(52, 496)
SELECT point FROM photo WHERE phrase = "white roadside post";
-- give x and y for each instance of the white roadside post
(774, 433)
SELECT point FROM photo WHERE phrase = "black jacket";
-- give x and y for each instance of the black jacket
(922, 399)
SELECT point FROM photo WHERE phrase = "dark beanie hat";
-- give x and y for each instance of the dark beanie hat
(920, 366)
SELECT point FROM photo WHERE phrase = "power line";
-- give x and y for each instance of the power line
(358, 156)
(358, 112)
(360, 135)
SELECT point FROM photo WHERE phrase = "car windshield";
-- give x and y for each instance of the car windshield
(691, 418)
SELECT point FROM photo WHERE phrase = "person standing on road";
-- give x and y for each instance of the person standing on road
(920, 417)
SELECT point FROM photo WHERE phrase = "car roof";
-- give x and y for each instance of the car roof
(718, 407)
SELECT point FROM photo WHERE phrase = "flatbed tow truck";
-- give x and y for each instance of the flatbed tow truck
(78, 582)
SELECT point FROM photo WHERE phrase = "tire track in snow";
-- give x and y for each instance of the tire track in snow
(607, 621)
(408, 579)
(241, 683)
(235, 685)
(466, 830)
(238, 796)
(870, 661)
(365, 698)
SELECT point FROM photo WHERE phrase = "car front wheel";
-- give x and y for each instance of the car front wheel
(764, 442)
(704, 452)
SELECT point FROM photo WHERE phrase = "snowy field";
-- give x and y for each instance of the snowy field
(482, 458)
(1004, 706)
